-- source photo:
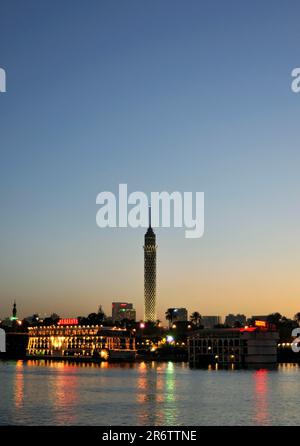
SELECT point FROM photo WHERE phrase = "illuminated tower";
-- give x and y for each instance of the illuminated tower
(150, 273)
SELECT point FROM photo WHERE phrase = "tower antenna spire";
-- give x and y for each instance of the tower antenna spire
(150, 273)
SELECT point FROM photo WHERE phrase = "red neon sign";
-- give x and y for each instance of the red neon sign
(247, 329)
(68, 321)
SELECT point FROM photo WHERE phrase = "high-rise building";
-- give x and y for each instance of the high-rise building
(211, 321)
(150, 273)
(123, 310)
(233, 319)
(177, 315)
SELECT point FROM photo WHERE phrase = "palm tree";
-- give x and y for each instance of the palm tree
(196, 318)
(170, 315)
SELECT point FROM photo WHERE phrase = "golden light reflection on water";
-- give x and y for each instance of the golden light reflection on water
(147, 394)
(156, 389)
(64, 391)
(148, 383)
(288, 367)
(19, 385)
(63, 364)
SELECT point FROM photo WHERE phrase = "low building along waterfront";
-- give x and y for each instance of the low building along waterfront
(243, 346)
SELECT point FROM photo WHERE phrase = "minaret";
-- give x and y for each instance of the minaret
(14, 311)
(150, 274)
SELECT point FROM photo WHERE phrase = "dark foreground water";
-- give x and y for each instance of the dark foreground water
(56, 393)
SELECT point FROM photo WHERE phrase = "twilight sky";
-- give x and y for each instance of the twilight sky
(162, 95)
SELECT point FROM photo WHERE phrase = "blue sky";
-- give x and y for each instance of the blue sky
(161, 95)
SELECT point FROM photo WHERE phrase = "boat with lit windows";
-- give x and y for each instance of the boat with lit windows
(70, 341)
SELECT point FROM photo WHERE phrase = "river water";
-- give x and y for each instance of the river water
(153, 394)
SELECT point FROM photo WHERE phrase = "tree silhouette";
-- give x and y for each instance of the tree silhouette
(297, 318)
(274, 319)
(170, 315)
(196, 318)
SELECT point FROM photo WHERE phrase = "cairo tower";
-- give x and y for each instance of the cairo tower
(150, 274)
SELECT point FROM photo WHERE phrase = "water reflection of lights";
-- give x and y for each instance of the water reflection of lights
(19, 384)
(261, 396)
(142, 367)
(148, 383)
(170, 384)
(148, 393)
(64, 394)
(50, 363)
(61, 364)
(169, 409)
(288, 367)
